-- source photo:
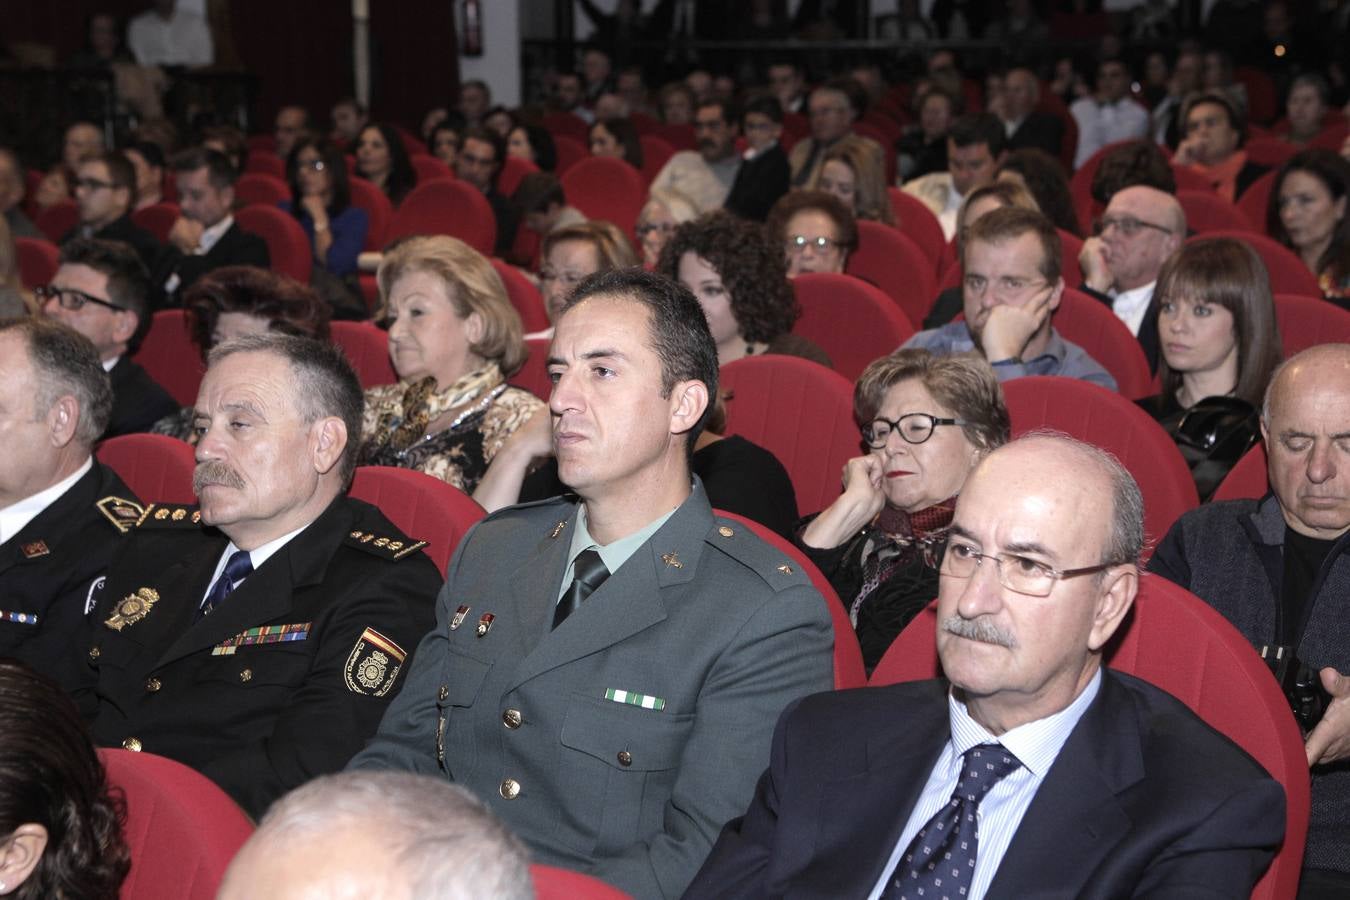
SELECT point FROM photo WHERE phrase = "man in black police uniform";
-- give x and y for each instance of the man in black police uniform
(62, 513)
(262, 649)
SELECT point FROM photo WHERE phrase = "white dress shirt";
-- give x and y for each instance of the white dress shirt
(1130, 306)
(257, 557)
(184, 39)
(14, 517)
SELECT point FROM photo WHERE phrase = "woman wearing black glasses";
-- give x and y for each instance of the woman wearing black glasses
(926, 421)
(321, 203)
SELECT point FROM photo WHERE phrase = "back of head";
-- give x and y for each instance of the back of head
(1045, 178)
(1011, 223)
(1136, 162)
(1006, 193)
(613, 250)
(537, 192)
(65, 363)
(287, 306)
(220, 172)
(979, 128)
(128, 281)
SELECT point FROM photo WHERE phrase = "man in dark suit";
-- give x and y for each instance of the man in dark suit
(105, 192)
(481, 154)
(1025, 125)
(205, 237)
(614, 721)
(62, 513)
(1084, 783)
(102, 291)
(259, 638)
(764, 173)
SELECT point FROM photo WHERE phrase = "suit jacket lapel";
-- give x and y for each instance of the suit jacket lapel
(46, 525)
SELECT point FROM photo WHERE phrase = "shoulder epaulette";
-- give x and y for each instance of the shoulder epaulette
(738, 541)
(169, 515)
(124, 514)
(384, 547)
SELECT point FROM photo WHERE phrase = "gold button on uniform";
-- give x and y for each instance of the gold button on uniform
(152, 685)
(443, 693)
(512, 718)
(246, 675)
(724, 531)
(132, 744)
(625, 758)
(93, 653)
(509, 789)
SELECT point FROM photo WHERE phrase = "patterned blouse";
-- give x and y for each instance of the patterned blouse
(487, 411)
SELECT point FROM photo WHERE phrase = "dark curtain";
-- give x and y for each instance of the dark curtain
(301, 54)
(414, 58)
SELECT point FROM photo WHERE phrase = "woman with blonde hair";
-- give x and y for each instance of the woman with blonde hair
(663, 212)
(854, 172)
(454, 339)
(573, 252)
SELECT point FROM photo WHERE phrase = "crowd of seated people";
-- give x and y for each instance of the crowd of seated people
(629, 743)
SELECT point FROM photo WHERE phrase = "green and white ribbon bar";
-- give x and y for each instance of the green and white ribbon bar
(646, 701)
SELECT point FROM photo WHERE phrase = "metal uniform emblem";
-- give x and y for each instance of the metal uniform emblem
(161, 514)
(785, 569)
(179, 514)
(485, 623)
(133, 608)
(458, 619)
(672, 560)
(35, 549)
(196, 517)
(557, 529)
(374, 664)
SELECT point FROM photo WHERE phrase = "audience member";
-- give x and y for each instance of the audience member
(83, 140)
(724, 632)
(1110, 114)
(15, 299)
(205, 237)
(568, 96)
(1307, 213)
(616, 138)
(1028, 708)
(663, 212)
(788, 84)
(237, 300)
(816, 231)
(1212, 146)
(105, 192)
(62, 513)
(258, 638)
(974, 152)
(1023, 122)
(764, 172)
(454, 339)
(382, 160)
(535, 143)
(1305, 108)
(1183, 81)
(291, 123)
(1277, 568)
(475, 99)
(104, 46)
(597, 71)
(229, 142)
(832, 109)
(169, 36)
(1220, 342)
(923, 148)
(60, 824)
(570, 255)
(879, 541)
(853, 172)
(1141, 228)
(103, 292)
(479, 163)
(1011, 263)
(1128, 164)
(501, 120)
(349, 117)
(677, 104)
(147, 159)
(1043, 177)
(738, 276)
(444, 141)
(437, 842)
(705, 176)
(321, 202)
(12, 190)
(542, 204)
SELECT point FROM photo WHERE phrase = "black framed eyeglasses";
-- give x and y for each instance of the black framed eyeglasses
(913, 428)
(1019, 574)
(70, 298)
(1128, 225)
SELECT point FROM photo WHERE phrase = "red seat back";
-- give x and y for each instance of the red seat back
(570, 152)
(1206, 211)
(157, 467)
(157, 218)
(769, 397)
(524, 296)
(58, 219)
(1288, 274)
(366, 347)
(513, 169)
(917, 222)
(889, 259)
(261, 143)
(447, 207)
(265, 162)
(1108, 420)
(1263, 100)
(605, 188)
(533, 375)
(255, 188)
(1256, 199)
(681, 137)
(429, 167)
(424, 508)
(853, 322)
(1269, 151)
(1190, 180)
(1093, 326)
(379, 211)
(38, 260)
(169, 356)
(287, 245)
(552, 883)
(656, 152)
(1308, 321)
(565, 124)
(181, 828)
(1247, 479)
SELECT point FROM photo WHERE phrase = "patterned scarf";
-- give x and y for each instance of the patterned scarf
(423, 404)
(895, 537)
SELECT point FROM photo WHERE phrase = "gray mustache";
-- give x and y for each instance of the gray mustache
(980, 629)
(213, 471)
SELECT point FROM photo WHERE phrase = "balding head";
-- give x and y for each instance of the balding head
(1141, 228)
(1306, 425)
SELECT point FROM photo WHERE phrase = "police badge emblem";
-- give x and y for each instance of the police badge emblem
(373, 665)
(132, 608)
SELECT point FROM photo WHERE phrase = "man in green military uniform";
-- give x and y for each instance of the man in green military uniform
(262, 648)
(606, 674)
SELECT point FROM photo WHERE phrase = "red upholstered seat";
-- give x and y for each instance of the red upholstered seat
(261, 143)
(570, 152)
(1256, 198)
(800, 412)
(1247, 479)
(429, 167)
(605, 188)
(917, 222)
(524, 296)
(1206, 211)
(170, 357)
(893, 262)
(848, 662)
(1093, 326)
(265, 162)
(58, 219)
(656, 152)
(1115, 424)
(1190, 180)
(447, 207)
(379, 211)
(1177, 642)
(1288, 274)
(565, 124)
(1269, 151)
(681, 137)
(38, 260)
(157, 218)
(1308, 321)
(424, 508)
(533, 375)
(264, 190)
(181, 829)
(514, 168)
(552, 883)
(852, 321)
(287, 245)
(157, 467)
(367, 348)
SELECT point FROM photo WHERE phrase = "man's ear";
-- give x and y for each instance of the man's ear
(1056, 295)
(124, 325)
(328, 438)
(63, 419)
(1120, 584)
(688, 400)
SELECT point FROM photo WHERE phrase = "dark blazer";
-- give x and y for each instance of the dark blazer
(138, 400)
(1040, 130)
(50, 569)
(1143, 800)
(235, 248)
(267, 715)
(1148, 329)
(759, 183)
(125, 230)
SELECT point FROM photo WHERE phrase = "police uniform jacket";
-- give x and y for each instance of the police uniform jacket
(50, 568)
(287, 677)
(619, 743)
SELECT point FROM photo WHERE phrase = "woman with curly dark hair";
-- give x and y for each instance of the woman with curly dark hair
(382, 159)
(1043, 177)
(60, 825)
(739, 278)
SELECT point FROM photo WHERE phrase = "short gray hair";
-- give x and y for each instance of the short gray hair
(439, 837)
(65, 362)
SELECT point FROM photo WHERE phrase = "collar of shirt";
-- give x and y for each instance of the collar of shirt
(613, 554)
(110, 364)
(14, 517)
(1010, 126)
(256, 556)
(213, 234)
(1130, 306)
(752, 153)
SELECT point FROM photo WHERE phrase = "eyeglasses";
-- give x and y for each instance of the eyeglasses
(647, 228)
(93, 184)
(567, 278)
(1128, 225)
(913, 428)
(1018, 574)
(1008, 286)
(313, 165)
(796, 243)
(71, 299)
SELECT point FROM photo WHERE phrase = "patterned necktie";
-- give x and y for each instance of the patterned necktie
(940, 861)
(239, 567)
(589, 573)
